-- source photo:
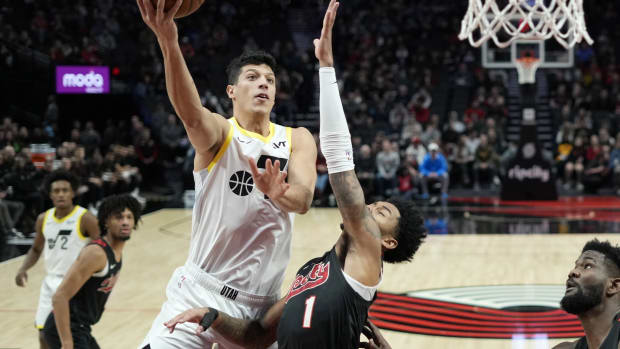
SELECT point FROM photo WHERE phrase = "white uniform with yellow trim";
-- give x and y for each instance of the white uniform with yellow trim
(63, 242)
(240, 242)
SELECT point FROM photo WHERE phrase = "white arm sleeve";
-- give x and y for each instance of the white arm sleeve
(334, 131)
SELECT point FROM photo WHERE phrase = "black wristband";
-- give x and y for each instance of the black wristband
(209, 318)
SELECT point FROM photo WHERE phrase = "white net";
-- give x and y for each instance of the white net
(524, 20)
(526, 67)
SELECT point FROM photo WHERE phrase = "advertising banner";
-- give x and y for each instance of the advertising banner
(82, 79)
(529, 176)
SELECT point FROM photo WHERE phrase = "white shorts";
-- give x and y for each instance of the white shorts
(190, 287)
(48, 288)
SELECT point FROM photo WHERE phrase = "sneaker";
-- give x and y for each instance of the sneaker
(567, 186)
(579, 187)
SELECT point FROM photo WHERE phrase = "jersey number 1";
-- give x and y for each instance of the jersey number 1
(308, 313)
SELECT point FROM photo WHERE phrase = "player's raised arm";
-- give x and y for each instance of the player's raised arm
(206, 130)
(336, 139)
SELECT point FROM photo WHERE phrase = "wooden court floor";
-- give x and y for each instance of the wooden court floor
(161, 243)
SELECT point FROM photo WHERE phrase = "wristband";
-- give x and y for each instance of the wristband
(209, 318)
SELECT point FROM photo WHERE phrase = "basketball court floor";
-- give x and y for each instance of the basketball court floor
(490, 275)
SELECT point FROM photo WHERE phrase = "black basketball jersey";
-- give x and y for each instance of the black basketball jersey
(322, 310)
(610, 342)
(88, 303)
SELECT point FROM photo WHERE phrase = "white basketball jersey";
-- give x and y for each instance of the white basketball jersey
(238, 235)
(63, 240)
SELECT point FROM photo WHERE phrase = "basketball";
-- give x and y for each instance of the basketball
(187, 8)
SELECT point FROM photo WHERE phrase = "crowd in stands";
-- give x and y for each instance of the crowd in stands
(391, 63)
(112, 33)
(391, 57)
(107, 164)
(586, 106)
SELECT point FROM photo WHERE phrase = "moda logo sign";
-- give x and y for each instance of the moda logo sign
(82, 79)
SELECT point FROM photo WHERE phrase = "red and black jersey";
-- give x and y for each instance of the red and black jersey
(88, 303)
(322, 310)
(610, 342)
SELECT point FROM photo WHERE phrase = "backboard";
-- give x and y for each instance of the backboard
(551, 53)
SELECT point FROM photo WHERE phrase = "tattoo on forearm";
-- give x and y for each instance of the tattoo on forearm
(351, 203)
(349, 194)
(248, 333)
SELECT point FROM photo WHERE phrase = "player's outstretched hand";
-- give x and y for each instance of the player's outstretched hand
(192, 315)
(272, 181)
(375, 339)
(323, 45)
(21, 278)
(160, 22)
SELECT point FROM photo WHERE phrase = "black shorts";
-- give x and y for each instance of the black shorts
(82, 339)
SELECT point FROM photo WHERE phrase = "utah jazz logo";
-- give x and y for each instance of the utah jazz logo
(63, 236)
(241, 183)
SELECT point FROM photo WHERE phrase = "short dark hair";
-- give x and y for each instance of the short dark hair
(249, 57)
(116, 204)
(410, 232)
(611, 253)
(61, 175)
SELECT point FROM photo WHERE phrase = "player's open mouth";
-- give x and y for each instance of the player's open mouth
(262, 96)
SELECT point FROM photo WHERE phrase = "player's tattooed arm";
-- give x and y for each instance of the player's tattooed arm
(247, 333)
(351, 203)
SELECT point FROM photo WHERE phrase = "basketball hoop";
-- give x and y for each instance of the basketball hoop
(526, 67)
(561, 19)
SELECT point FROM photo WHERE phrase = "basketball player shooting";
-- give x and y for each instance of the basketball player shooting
(593, 294)
(243, 216)
(327, 304)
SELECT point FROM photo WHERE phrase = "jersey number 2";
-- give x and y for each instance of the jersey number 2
(308, 312)
(63, 240)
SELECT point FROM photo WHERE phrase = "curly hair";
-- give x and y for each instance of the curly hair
(409, 233)
(611, 253)
(249, 57)
(116, 204)
(61, 175)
